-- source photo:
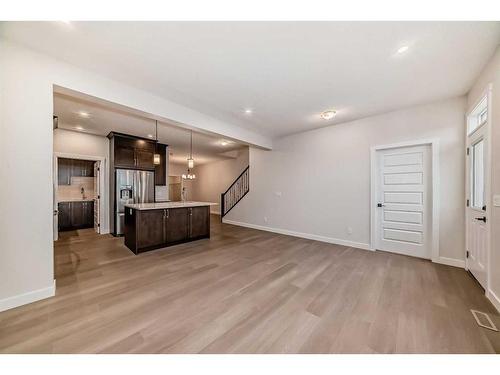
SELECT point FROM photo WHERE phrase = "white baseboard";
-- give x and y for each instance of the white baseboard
(450, 262)
(337, 241)
(29, 297)
(493, 299)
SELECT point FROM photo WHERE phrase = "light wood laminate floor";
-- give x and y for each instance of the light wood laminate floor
(247, 291)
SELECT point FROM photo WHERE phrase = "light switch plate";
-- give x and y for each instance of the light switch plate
(496, 200)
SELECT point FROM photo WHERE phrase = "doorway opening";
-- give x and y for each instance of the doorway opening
(77, 193)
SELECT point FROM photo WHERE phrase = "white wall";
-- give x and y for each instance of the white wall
(324, 176)
(491, 74)
(26, 145)
(214, 178)
(78, 143)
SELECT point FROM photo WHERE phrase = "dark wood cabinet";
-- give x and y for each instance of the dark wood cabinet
(151, 229)
(64, 171)
(199, 221)
(177, 225)
(132, 152)
(161, 169)
(67, 168)
(144, 158)
(64, 216)
(83, 168)
(75, 215)
(152, 224)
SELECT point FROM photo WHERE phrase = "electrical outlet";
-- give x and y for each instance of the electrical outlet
(265, 219)
(278, 193)
(349, 230)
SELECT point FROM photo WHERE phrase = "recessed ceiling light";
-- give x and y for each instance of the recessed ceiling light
(328, 115)
(84, 114)
(150, 135)
(224, 143)
(78, 127)
(248, 111)
(402, 49)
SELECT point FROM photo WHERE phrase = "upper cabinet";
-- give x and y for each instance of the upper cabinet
(161, 169)
(82, 168)
(67, 168)
(64, 171)
(132, 153)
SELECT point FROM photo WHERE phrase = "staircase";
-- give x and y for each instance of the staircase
(238, 189)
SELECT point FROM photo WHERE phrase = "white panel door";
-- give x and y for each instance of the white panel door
(404, 201)
(476, 212)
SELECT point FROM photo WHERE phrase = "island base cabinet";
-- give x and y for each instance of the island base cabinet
(152, 232)
(152, 229)
(177, 225)
(199, 223)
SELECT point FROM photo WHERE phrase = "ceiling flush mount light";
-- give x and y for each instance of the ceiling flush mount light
(156, 156)
(150, 136)
(402, 49)
(189, 175)
(328, 115)
(84, 114)
(79, 127)
(248, 111)
(224, 143)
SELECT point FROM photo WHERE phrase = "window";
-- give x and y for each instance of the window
(477, 178)
(478, 116)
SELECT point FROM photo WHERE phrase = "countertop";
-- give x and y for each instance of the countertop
(76, 200)
(163, 205)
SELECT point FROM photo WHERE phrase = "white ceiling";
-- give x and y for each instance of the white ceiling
(286, 72)
(102, 120)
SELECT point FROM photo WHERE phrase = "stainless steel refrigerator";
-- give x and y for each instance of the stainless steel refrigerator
(132, 187)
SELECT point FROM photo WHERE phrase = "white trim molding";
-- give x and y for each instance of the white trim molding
(315, 237)
(495, 301)
(28, 297)
(434, 144)
(460, 263)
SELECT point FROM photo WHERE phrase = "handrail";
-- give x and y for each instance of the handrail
(236, 191)
(235, 181)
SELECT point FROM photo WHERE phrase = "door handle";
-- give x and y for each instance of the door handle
(481, 218)
(380, 205)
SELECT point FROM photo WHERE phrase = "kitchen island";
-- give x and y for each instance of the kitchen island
(151, 226)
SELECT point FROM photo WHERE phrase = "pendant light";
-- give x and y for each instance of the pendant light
(156, 157)
(191, 160)
(189, 175)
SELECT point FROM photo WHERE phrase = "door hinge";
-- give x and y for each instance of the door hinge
(484, 208)
(467, 254)
(468, 202)
(467, 150)
(98, 197)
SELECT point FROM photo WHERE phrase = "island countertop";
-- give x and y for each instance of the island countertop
(163, 205)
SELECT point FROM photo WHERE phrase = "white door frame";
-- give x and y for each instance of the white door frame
(103, 192)
(434, 144)
(487, 186)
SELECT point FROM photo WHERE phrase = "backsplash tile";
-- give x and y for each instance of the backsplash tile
(73, 191)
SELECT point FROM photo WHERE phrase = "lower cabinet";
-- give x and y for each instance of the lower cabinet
(75, 215)
(151, 229)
